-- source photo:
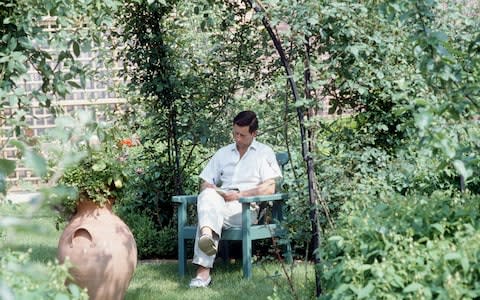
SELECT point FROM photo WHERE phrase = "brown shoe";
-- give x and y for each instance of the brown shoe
(207, 245)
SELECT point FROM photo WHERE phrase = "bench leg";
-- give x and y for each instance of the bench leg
(182, 257)
(246, 241)
(247, 257)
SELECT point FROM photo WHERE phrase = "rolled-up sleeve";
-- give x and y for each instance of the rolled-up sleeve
(269, 167)
(209, 173)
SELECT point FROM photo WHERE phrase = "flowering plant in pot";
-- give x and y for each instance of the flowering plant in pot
(98, 177)
(98, 243)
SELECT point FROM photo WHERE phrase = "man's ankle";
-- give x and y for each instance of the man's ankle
(203, 272)
(206, 231)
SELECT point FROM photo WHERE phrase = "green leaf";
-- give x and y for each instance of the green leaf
(452, 256)
(74, 290)
(365, 291)
(461, 169)
(423, 120)
(7, 166)
(412, 287)
(12, 44)
(35, 162)
(335, 238)
(61, 296)
(99, 166)
(25, 43)
(465, 263)
(439, 36)
(438, 227)
(76, 48)
(74, 84)
(4, 59)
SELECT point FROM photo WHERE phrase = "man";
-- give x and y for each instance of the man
(242, 169)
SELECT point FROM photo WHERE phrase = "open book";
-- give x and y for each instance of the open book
(223, 191)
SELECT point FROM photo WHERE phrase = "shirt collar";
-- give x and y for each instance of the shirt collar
(253, 146)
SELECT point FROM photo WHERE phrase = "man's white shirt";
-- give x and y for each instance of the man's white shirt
(257, 165)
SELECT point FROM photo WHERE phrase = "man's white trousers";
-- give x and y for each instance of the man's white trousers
(214, 212)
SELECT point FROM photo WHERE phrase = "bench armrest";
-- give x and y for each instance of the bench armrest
(264, 198)
(191, 199)
(185, 199)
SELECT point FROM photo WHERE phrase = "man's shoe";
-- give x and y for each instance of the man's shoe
(198, 282)
(207, 245)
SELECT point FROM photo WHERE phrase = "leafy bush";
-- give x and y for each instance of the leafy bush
(144, 231)
(20, 278)
(99, 177)
(146, 206)
(167, 242)
(401, 247)
(151, 242)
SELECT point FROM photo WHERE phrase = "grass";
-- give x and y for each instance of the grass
(159, 279)
(36, 232)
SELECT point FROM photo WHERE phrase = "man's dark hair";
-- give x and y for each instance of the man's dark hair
(246, 118)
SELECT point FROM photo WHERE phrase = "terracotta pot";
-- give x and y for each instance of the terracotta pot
(102, 250)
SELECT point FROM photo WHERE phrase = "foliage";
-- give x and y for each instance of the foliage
(406, 72)
(20, 278)
(27, 263)
(24, 41)
(144, 231)
(100, 176)
(77, 26)
(170, 78)
(146, 206)
(166, 241)
(446, 51)
(175, 78)
(153, 241)
(405, 247)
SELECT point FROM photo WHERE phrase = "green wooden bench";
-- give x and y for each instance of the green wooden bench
(247, 233)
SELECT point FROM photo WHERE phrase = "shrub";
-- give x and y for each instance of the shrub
(167, 241)
(20, 278)
(405, 248)
(151, 241)
(148, 194)
(144, 231)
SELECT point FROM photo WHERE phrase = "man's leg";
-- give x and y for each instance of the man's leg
(210, 211)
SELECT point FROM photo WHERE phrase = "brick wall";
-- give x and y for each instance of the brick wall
(97, 93)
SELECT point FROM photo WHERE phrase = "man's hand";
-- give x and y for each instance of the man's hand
(265, 188)
(231, 196)
(207, 185)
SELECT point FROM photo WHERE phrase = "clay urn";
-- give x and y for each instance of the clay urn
(101, 250)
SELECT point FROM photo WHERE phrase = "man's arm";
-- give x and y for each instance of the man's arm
(205, 185)
(265, 188)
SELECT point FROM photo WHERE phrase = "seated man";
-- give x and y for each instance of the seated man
(242, 169)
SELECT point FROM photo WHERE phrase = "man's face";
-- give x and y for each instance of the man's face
(243, 138)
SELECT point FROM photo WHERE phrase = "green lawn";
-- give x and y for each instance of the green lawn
(159, 279)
